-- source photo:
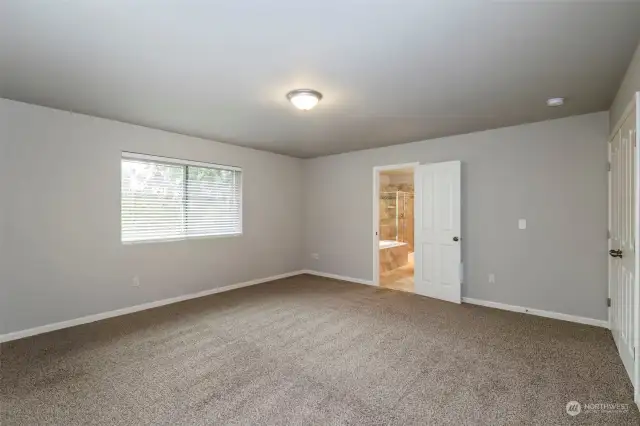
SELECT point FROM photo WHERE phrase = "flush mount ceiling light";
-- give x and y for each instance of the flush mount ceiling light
(304, 99)
(555, 102)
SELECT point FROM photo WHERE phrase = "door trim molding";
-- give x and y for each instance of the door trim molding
(376, 213)
(636, 283)
(624, 115)
(538, 312)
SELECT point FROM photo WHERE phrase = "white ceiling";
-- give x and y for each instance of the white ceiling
(391, 71)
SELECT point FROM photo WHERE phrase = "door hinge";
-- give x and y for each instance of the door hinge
(608, 167)
(608, 302)
(608, 234)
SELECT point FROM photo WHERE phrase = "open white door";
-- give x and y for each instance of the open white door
(437, 232)
(623, 220)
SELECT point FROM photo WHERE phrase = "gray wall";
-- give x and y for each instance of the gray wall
(630, 85)
(61, 251)
(551, 173)
(61, 256)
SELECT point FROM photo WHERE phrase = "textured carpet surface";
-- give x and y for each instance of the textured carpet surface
(309, 350)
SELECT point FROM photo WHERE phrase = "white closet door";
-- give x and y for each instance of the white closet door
(437, 233)
(622, 253)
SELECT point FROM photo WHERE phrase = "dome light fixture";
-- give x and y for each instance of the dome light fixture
(304, 99)
(555, 102)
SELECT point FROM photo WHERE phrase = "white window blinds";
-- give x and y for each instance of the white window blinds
(165, 199)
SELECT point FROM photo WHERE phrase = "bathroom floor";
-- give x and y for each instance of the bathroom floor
(400, 278)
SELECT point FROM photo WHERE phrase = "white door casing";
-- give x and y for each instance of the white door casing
(636, 310)
(437, 231)
(622, 243)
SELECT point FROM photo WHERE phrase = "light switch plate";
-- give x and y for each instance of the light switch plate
(522, 224)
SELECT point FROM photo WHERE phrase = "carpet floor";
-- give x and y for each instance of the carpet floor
(308, 350)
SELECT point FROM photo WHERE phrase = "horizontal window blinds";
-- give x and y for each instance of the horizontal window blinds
(168, 200)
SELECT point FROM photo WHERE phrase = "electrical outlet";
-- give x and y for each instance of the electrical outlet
(492, 278)
(135, 282)
(315, 256)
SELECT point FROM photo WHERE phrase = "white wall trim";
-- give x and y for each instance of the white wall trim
(124, 311)
(496, 305)
(338, 277)
(538, 312)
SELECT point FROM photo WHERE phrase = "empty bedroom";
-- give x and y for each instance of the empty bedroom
(339, 212)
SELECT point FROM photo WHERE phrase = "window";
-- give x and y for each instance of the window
(165, 199)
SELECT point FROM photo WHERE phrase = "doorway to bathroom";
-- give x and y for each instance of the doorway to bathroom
(394, 226)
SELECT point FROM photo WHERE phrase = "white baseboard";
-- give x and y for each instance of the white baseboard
(496, 305)
(338, 277)
(538, 312)
(124, 311)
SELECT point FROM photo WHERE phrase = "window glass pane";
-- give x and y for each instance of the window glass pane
(213, 201)
(152, 201)
(161, 200)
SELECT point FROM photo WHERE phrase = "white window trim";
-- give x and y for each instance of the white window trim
(167, 160)
(165, 240)
(127, 155)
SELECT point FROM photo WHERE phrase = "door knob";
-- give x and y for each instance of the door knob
(455, 238)
(615, 253)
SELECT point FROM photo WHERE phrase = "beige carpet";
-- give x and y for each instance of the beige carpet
(307, 351)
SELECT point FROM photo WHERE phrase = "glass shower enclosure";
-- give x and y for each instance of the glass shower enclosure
(396, 217)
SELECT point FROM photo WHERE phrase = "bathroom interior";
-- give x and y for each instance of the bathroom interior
(396, 198)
